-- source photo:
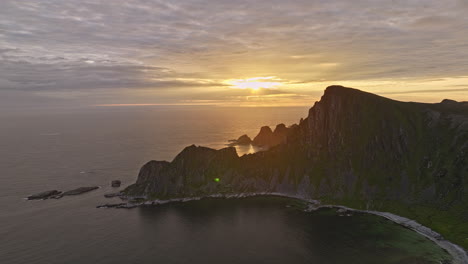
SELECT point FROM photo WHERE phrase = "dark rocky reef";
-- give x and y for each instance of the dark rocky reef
(54, 194)
(80, 190)
(354, 148)
(116, 183)
(115, 205)
(44, 195)
(112, 195)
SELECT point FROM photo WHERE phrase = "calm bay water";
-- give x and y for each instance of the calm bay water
(66, 149)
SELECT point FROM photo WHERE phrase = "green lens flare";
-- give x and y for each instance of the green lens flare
(216, 179)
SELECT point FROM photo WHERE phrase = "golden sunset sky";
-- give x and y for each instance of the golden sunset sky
(229, 53)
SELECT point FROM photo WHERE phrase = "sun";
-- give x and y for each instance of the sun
(255, 83)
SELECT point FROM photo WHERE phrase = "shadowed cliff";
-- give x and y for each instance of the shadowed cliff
(354, 148)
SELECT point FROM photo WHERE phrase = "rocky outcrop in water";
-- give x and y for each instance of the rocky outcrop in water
(44, 195)
(54, 194)
(112, 195)
(80, 190)
(116, 183)
(268, 138)
(354, 148)
(242, 140)
(116, 205)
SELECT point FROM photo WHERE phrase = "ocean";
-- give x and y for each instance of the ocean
(63, 149)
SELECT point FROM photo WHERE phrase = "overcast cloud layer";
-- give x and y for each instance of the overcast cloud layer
(183, 51)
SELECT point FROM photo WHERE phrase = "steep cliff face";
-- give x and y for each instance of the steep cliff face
(382, 149)
(354, 148)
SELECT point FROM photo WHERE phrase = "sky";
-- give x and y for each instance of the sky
(229, 52)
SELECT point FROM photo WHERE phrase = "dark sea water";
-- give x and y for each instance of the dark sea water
(65, 149)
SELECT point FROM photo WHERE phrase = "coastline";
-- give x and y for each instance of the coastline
(459, 255)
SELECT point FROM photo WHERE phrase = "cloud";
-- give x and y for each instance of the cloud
(87, 76)
(63, 45)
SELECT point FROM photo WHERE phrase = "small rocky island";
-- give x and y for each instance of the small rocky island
(44, 195)
(54, 194)
(116, 183)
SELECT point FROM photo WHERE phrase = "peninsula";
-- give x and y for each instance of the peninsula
(354, 149)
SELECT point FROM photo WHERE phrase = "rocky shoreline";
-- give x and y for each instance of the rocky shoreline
(459, 255)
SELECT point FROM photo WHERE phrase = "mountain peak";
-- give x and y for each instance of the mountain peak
(448, 101)
(334, 87)
(342, 90)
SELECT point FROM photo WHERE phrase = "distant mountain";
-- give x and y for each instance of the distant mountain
(354, 148)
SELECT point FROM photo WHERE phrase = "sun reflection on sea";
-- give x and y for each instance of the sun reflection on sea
(247, 149)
